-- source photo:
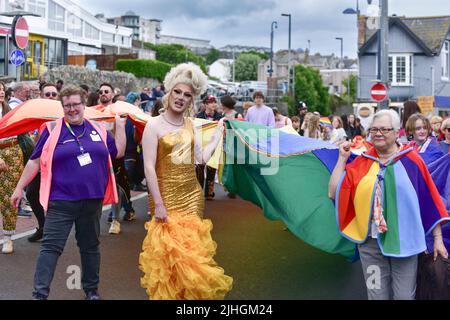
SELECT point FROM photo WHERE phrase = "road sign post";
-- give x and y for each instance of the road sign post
(20, 32)
(379, 92)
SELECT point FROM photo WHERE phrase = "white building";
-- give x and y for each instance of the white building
(146, 30)
(199, 46)
(63, 28)
(221, 69)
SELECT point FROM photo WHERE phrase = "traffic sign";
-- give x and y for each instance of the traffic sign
(20, 32)
(378, 92)
(17, 57)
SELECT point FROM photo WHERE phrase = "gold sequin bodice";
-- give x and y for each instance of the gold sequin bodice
(175, 169)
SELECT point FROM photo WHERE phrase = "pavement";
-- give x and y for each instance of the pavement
(265, 261)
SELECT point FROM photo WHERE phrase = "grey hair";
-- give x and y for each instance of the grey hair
(395, 118)
(19, 86)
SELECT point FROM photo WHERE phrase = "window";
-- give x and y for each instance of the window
(400, 69)
(74, 25)
(56, 15)
(445, 56)
(92, 32)
(108, 37)
(37, 6)
(54, 52)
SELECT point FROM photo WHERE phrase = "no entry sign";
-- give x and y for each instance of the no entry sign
(20, 32)
(378, 92)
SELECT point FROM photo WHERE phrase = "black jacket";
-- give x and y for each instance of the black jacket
(202, 115)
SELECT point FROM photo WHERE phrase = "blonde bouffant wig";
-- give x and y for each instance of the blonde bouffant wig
(185, 73)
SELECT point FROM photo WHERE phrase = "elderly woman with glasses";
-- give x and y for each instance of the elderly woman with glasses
(74, 156)
(386, 202)
(419, 130)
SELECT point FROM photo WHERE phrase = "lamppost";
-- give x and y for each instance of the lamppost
(289, 53)
(356, 12)
(273, 26)
(341, 64)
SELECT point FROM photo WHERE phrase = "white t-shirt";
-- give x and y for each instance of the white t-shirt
(338, 135)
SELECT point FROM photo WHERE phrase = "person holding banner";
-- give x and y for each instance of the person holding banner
(74, 156)
(177, 253)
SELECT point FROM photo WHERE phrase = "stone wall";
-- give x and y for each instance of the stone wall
(78, 75)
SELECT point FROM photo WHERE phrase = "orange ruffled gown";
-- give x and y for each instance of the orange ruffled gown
(177, 257)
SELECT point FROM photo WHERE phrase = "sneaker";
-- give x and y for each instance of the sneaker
(93, 295)
(37, 236)
(115, 227)
(38, 296)
(129, 216)
(7, 247)
(23, 213)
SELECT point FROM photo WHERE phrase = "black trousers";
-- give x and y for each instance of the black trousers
(208, 184)
(32, 194)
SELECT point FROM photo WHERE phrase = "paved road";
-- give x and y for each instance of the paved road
(265, 261)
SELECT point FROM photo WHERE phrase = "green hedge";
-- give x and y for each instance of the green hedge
(144, 68)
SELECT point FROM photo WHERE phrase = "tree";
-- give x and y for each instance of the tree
(247, 67)
(263, 56)
(353, 83)
(212, 56)
(310, 89)
(175, 54)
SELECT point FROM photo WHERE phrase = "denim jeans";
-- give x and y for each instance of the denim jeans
(61, 216)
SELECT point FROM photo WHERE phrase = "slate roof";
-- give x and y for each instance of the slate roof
(427, 31)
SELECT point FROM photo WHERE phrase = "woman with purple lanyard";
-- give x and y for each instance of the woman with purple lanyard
(74, 156)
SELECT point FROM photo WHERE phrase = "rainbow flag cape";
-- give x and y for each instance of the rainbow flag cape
(411, 202)
(325, 121)
(287, 176)
(440, 172)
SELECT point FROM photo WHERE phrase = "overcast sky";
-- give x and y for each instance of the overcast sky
(248, 22)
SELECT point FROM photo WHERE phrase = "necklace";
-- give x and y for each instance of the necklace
(386, 158)
(174, 124)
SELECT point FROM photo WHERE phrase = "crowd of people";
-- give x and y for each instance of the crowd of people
(106, 162)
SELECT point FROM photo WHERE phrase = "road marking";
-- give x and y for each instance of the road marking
(105, 208)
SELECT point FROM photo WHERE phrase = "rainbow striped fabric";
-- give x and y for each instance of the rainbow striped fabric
(411, 202)
(325, 121)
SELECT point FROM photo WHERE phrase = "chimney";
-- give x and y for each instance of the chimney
(362, 23)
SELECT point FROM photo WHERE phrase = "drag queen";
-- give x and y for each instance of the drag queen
(177, 253)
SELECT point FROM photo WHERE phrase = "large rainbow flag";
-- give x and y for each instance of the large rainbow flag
(411, 202)
(287, 176)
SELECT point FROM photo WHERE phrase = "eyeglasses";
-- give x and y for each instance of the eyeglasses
(73, 105)
(53, 94)
(179, 93)
(420, 128)
(382, 130)
(104, 91)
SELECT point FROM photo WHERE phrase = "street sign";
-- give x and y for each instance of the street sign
(378, 92)
(20, 32)
(17, 57)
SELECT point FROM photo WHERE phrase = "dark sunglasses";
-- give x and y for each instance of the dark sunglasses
(104, 91)
(53, 94)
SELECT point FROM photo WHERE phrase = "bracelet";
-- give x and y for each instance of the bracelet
(437, 235)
